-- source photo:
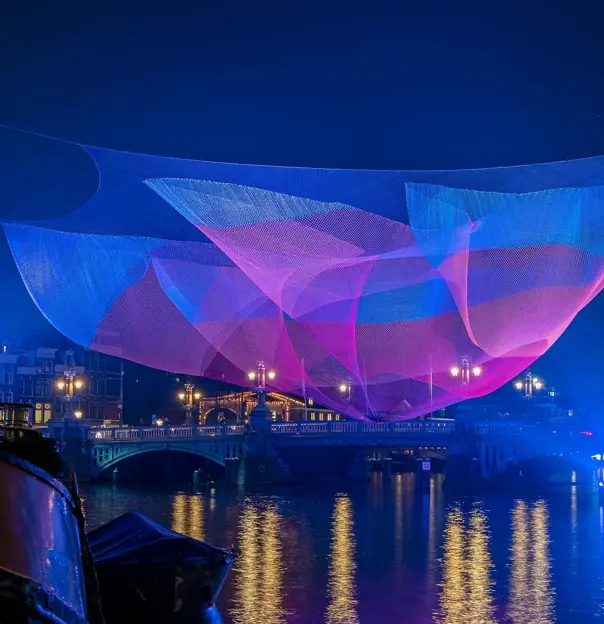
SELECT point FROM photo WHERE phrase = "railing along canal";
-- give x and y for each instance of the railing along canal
(153, 433)
(335, 428)
(339, 427)
(301, 428)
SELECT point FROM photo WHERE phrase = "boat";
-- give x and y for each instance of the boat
(149, 573)
(42, 574)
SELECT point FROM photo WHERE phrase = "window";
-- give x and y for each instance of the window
(38, 415)
(311, 402)
(47, 412)
(312, 416)
(6, 374)
(40, 387)
(48, 388)
(44, 367)
(337, 416)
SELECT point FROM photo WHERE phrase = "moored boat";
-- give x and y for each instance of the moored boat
(41, 571)
(149, 573)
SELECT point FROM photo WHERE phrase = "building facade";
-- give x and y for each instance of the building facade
(35, 376)
(236, 407)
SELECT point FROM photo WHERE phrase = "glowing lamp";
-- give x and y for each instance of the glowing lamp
(78, 384)
(477, 371)
(455, 371)
(272, 375)
(181, 396)
(159, 422)
(343, 387)
(518, 385)
(251, 376)
(78, 414)
(538, 385)
(197, 396)
(60, 385)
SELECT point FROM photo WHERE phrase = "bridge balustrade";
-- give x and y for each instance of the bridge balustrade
(344, 427)
(125, 434)
(235, 429)
(284, 428)
(313, 428)
(378, 427)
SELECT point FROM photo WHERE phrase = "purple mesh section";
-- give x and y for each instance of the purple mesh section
(325, 291)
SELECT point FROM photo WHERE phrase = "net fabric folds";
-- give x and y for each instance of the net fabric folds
(377, 281)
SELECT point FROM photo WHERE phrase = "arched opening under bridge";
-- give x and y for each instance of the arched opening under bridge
(163, 466)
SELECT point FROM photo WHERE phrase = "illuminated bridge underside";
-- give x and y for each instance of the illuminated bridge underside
(205, 268)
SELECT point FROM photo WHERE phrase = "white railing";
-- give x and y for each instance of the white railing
(418, 428)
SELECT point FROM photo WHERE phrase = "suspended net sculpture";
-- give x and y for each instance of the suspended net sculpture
(381, 294)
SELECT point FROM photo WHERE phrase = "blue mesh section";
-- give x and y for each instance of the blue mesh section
(74, 278)
(221, 205)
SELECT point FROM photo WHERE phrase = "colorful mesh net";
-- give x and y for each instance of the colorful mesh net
(381, 281)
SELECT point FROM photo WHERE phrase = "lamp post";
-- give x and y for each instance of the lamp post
(260, 416)
(345, 389)
(69, 385)
(465, 371)
(528, 385)
(186, 398)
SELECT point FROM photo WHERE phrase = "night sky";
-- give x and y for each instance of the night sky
(373, 84)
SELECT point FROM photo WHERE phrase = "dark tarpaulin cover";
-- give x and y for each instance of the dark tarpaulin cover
(133, 539)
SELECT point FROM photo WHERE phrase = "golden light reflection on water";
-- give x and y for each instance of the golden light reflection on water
(342, 608)
(480, 584)
(467, 589)
(258, 574)
(543, 593)
(531, 592)
(187, 516)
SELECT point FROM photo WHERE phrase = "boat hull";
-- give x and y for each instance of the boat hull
(41, 572)
(157, 594)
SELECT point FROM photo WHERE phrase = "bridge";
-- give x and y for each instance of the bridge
(284, 446)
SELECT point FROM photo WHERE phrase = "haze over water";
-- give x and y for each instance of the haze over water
(382, 552)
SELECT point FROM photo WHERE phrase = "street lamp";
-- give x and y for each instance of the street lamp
(68, 385)
(529, 385)
(346, 390)
(186, 398)
(465, 371)
(261, 416)
(260, 375)
(78, 414)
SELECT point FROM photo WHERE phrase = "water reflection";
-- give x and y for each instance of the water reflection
(531, 592)
(187, 515)
(341, 588)
(467, 588)
(258, 575)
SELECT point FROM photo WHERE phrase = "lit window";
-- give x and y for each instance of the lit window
(337, 416)
(328, 416)
(312, 416)
(310, 402)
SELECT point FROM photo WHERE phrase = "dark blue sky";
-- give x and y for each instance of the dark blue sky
(372, 84)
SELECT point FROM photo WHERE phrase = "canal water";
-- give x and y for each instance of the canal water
(382, 552)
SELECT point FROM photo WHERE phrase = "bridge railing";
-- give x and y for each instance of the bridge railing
(423, 428)
(345, 427)
(154, 433)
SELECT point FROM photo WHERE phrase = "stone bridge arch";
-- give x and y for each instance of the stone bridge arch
(107, 456)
